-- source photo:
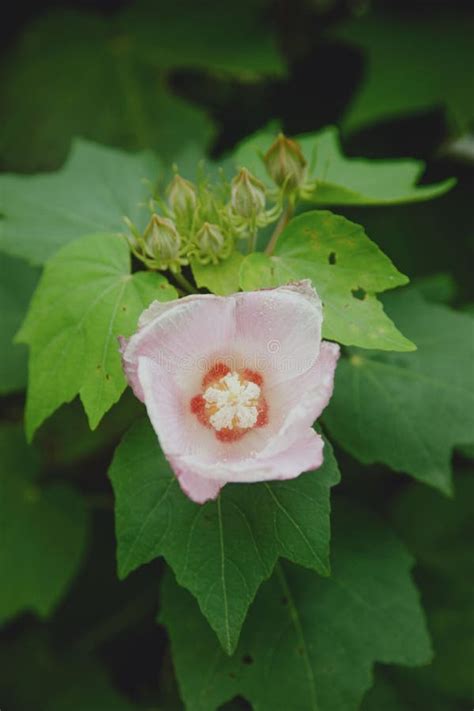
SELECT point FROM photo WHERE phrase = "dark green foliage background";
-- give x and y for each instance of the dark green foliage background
(185, 78)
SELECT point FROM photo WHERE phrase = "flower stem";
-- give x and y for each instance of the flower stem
(285, 217)
(184, 283)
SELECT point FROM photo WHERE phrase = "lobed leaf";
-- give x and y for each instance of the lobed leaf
(308, 642)
(345, 181)
(347, 270)
(409, 411)
(86, 298)
(221, 551)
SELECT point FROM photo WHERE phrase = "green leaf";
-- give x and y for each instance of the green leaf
(345, 181)
(222, 278)
(107, 91)
(407, 70)
(86, 298)
(347, 270)
(44, 530)
(409, 411)
(206, 36)
(91, 193)
(308, 643)
(17, 282)
(439, 532)
(221, 551)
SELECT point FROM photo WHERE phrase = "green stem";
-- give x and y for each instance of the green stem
(184, 283)
(285, 217)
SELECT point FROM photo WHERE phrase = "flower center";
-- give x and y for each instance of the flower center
(231, 402)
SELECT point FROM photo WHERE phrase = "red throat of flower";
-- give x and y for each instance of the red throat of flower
(231, 402)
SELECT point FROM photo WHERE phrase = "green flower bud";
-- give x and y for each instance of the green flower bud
(211, 242)
(285, 163)
(162, 241)
(247, 194)
(182, 196)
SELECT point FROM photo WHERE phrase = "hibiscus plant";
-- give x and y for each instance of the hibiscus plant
(229, 386)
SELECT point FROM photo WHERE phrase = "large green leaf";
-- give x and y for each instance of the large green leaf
(43, 532)
(92, 192)
(345, 181)
(17, 281)
(221, 551)
(106, 91)
(308, 643)
(347, 270)
(86, 298)
(409, 411)
(413, 64)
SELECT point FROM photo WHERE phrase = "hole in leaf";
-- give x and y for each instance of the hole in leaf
(332, 258)
(359, 294)
(247, 659)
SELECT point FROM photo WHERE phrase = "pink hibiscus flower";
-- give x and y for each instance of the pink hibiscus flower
(233, 385)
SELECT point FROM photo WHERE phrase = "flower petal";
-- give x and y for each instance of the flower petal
(304, 454)
(196, 487)
(183, 335)
(280, 329)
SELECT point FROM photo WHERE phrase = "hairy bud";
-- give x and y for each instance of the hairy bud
(162, 241)
(247, 195)
(182, 197)
(211, 242)
(285, 163)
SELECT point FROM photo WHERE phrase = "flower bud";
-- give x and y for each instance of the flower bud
(162, 241)
(285, 162)
(247, 194)
(182, 197)
(210, 241)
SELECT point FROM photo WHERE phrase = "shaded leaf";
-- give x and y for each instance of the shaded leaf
(347, 270)
(17, 282)
(221, 551)
(412, 65)
(43, 532)
(345, 181)
(409, 411)
(206, 36)
(308, 642)
(86, 298)
(106, 91)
